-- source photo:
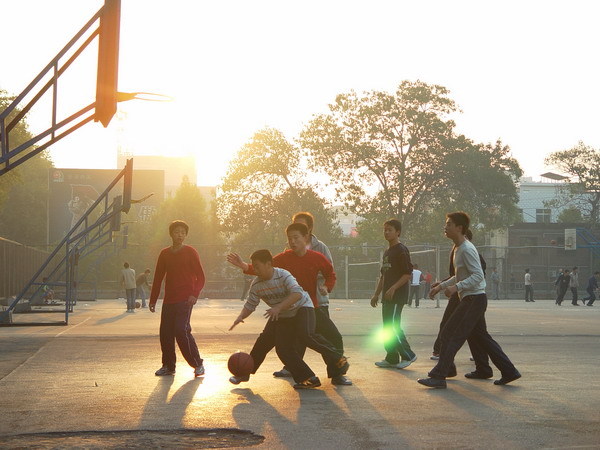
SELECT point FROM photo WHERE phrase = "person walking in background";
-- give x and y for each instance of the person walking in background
(185, 279)
(128, 282)
(591, 288)
(247, 283)
(574, 285)
(428, 279)
(495, 277)
(528, 287)
(415, 286)
(141, 284)
(562, 283)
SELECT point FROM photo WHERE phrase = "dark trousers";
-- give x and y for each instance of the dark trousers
(175, 326)
(468, 321)
(528, 293)
(561, 296)
(591, 298)
(574, 292)
(480, 357)
(326, 328)
(414, 291)
(396, 345)
(287, 335)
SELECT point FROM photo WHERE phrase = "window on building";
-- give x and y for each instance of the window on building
(543, 215)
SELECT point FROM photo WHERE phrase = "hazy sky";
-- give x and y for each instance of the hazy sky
(526, 72)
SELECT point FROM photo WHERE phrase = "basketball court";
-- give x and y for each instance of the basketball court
(97, 374)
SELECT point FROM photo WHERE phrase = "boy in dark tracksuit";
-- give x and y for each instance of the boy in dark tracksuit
(396, 273)
(562, 285)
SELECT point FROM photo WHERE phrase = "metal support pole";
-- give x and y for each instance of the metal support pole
(437, 271)
(346, 277)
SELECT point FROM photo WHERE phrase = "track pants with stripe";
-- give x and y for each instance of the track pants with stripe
(395, 343)
(175, 326)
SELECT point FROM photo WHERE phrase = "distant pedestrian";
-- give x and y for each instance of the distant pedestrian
(128, 282)
(528, 287)
(247, 283)
(562, 283)
(184, 282)
(142, 283)
(428, 279)
(591, 288)
(574, 285)
(495, 277)
(415, 286)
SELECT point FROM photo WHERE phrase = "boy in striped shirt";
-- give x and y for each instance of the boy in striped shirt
(290, 317)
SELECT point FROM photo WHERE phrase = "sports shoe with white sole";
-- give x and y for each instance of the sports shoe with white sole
(283, 373)
(384, 364)
(199, 371)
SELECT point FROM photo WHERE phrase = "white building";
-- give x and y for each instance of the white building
(533, 196)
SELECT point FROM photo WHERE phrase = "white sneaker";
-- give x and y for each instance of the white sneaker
(199, 371)
(403, 364)
(384, 364)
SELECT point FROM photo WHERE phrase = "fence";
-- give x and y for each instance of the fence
(357, 269)
(17, 265)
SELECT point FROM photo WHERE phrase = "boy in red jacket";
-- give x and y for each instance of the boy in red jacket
(184, 281)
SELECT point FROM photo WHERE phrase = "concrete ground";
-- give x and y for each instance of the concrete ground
(97, 373)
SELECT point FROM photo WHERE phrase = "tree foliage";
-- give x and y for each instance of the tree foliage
(582, 164)
(570, 215)
(265, 185)
(24, 190)
(396, 155)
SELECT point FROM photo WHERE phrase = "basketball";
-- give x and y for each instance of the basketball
(137, 304)
(240, 364)
(553, 242)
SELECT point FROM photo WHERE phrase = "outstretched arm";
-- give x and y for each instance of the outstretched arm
(245, 312)
(236, 260)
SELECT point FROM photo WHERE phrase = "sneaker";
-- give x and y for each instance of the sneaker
(311, 383)
(471, 358)
(406, 362)
(508, 379)
(432, 383)
(384, 364)
(283, 373)
(199, 371)
(341, 380)
(238, 380)
(434, 356)
(164, 371)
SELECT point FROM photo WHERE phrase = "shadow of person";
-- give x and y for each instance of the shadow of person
(256, 414)
(160, 411)
(111, 319)
(351, 424)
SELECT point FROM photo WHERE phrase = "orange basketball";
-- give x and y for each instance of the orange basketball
(240, 364)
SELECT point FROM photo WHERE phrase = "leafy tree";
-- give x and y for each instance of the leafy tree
(24, 190)
(396, 155)
(265, 185)
(582, 163)
(570, 215)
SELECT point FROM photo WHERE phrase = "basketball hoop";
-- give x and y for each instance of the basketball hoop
(147, 96)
